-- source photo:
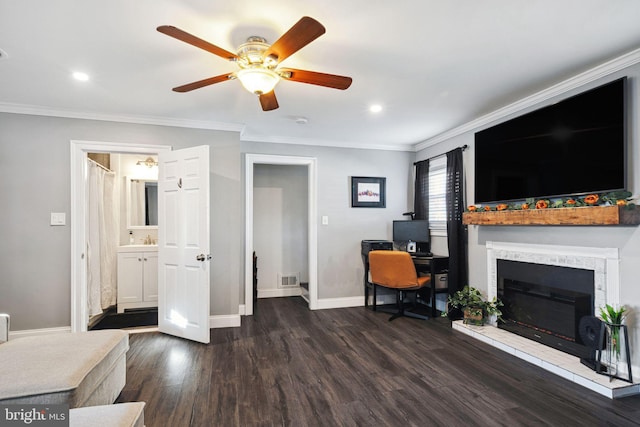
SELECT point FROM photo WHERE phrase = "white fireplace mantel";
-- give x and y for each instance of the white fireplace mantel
(605, 263)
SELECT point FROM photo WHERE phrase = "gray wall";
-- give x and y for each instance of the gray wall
(340, 270)
(627, 239)
(35, 165)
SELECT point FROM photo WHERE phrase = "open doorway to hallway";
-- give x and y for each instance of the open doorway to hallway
(295, 261)
(280, 231)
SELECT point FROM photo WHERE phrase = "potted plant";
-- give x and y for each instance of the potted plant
(473, 305)
(616, 338)
(614, 318)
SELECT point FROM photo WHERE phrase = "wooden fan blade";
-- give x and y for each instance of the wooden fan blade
(315, 78)
(269, 101)
(202, 83)
(177, 33)
(301, 34)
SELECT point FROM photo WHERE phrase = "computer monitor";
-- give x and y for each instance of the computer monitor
(416, 230)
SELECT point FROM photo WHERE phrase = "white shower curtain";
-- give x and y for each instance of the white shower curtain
(101, 239)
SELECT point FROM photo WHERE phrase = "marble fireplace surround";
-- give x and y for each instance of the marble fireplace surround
(603, 261)
(605, 264)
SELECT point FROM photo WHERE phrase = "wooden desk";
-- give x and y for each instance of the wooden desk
(432, 266)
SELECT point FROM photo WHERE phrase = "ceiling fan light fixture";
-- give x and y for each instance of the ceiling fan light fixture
(258, 61)
(258, 80)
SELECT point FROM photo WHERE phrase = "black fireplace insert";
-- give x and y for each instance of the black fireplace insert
(545, 303)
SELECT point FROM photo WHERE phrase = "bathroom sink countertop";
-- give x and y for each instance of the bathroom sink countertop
(137, 248)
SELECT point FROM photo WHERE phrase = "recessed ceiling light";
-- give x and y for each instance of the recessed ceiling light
(83, 77)
(375, 108)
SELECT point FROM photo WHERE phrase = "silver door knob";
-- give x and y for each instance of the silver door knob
(203, 257)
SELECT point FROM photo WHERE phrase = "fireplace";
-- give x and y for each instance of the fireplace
(602, 263)
(545, 303)
(547, 289)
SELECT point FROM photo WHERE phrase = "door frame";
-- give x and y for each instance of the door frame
(79, 150)
(312, 230)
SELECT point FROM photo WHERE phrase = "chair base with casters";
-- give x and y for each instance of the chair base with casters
(402, 311)
(395, 270)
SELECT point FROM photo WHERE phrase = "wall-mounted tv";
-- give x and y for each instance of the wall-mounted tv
(573, 147)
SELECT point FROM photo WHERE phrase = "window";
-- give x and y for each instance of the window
(438, 196)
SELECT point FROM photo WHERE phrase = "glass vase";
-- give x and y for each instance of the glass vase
(612, 348)
(614, 359)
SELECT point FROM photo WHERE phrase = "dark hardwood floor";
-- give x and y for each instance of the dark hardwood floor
(291, 366)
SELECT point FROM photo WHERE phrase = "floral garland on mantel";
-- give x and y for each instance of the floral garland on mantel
(619, 198)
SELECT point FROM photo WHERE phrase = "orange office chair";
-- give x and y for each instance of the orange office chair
(395, 270)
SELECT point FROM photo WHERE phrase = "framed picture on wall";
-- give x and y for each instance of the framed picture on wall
(368, 192)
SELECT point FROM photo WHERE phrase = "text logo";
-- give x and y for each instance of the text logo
(34, 415)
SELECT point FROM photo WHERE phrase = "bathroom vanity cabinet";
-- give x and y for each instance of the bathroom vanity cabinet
(137, 277)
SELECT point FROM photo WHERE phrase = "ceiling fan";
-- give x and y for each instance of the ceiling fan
(258, 61)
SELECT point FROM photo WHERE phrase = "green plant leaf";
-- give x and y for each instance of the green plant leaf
(611, 315)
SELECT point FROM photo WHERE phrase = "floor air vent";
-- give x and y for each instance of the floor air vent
(291, 280)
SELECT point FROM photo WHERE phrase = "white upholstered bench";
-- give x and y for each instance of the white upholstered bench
(79, 369)
(119, 415)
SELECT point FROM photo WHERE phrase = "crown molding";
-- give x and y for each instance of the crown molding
(326, 143)
(598, 72)
(144, 120)
(194, 124)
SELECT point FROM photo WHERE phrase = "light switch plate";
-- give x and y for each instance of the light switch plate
(58, 218)
(325, 220)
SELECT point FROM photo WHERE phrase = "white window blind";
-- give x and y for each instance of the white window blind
(437, 195)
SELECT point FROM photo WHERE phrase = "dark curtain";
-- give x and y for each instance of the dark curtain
(456, 231)
(421, 195)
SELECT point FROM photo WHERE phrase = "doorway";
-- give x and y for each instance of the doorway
(79, 216)
(251, 160)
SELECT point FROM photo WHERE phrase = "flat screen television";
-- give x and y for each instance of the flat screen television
(416, 230)
(574, 147)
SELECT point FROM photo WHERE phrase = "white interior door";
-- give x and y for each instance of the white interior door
(183, 243)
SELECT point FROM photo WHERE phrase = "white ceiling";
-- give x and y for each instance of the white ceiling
(432, 64)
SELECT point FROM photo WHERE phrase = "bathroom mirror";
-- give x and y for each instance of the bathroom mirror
(142, 203)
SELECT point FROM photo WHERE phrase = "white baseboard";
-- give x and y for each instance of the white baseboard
(345, 302)
(327, 303)
(39, 332)
(224, 321)
(277, 292)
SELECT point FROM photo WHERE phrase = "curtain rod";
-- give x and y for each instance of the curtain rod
(99, 165)
(464, 147)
